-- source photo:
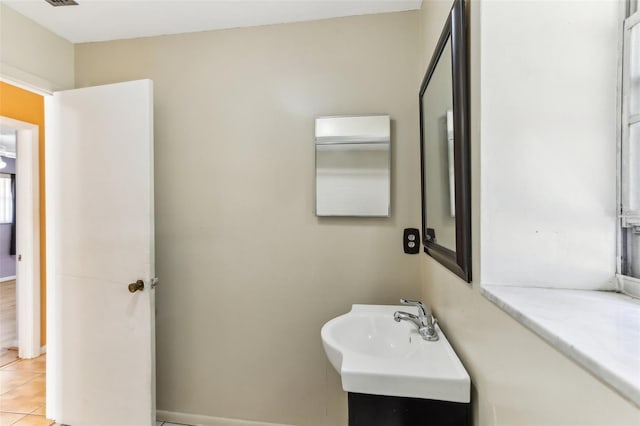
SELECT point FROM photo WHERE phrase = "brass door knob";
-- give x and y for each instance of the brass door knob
(137, 286)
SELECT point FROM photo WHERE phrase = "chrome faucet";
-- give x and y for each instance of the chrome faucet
(424, 321)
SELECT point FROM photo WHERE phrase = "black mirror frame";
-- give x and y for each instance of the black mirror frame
(458, 261)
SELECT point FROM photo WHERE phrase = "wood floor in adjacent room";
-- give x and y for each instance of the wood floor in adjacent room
(22, 393)
(7, 357)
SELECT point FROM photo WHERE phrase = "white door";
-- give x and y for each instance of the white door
(100, 238)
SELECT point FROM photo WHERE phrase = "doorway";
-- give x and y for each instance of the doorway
(22, 379)
(8, 313)
(25, 216)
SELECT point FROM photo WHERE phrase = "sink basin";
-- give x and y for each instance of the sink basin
(376, 355)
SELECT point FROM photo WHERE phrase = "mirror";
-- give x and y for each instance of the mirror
(353, 167)
(444, 143)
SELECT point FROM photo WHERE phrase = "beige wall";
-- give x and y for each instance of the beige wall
(32, 55)
(518, 379)
(248, 273)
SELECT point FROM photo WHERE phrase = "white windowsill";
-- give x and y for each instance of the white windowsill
(598, 330)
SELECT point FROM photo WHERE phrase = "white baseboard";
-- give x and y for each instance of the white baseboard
(4, 279)
(43, 349)
(197, 420)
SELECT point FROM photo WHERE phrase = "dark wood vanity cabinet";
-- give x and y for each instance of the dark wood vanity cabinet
(379, 410)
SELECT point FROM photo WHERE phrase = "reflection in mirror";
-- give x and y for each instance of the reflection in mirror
(437, 122)
(353, 173)
(444, 131)
(352, 179)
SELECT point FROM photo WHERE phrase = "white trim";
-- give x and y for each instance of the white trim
(625, 120)
(619, 132)
(26, 81)
(196, 419)
(629, 285)
(624, 141)
(632, 20)
(630, 218)
(5, 279)
(53, 317)
(28, 237)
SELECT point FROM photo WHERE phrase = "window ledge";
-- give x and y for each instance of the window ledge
(599, 330)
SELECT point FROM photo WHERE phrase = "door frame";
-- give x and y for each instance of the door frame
(28, 236)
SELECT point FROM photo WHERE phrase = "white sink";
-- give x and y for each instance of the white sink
(376, 355)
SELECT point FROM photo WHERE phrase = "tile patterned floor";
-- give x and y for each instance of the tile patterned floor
(22, 388)
(22, 394)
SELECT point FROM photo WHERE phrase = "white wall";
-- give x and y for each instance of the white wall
(517, 378)
(549, 75)
(248, 273)
(32, 55)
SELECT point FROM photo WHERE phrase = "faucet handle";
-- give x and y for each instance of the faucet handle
(422, 311)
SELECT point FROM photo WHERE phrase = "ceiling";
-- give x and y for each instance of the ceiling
(101, 20)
